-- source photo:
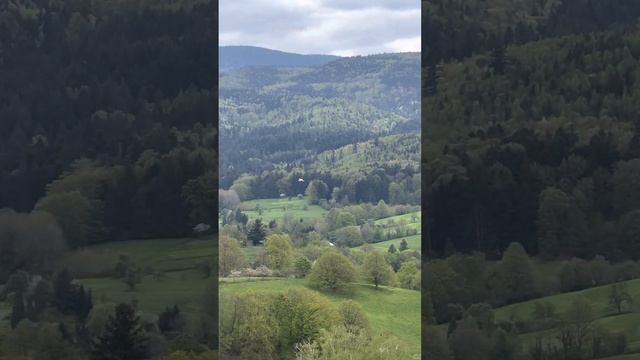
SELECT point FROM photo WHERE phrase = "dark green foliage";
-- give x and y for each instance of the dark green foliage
(170, 320)
(257, 232)
(116, 105)
(619, 296)
(18, 310)
(123, 337)
(392, 249)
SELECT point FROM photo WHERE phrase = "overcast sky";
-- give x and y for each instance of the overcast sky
(338, 27)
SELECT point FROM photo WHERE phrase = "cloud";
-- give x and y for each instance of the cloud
(340, 27)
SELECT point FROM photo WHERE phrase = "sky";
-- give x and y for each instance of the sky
(336, 27)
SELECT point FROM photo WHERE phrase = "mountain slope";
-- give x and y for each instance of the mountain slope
(235, 57)
(282, 115)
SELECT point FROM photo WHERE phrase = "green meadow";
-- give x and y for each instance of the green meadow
(627, 323)
(182, 284)
(277, 209)
(389, 310)
(414, 242)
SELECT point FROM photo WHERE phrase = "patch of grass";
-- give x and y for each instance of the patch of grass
(162, 254)
(182, 285)
(623, 357)
(186, 289)
(413, 219)
(390, 310)
(251, 252)
(627, 323)
(276, 209)
(414, 242)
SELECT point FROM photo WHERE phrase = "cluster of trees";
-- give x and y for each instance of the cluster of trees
(300, 321)
(122, 158)
(474, 333)
(465, 279)
(460, 28)
(559, 148)
(327, 268)
(349, 225)
(392, 182)
(101, 138)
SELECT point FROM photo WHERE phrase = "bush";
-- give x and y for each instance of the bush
(302, 267)
(340, 343)
(332, 271)
(353, 317)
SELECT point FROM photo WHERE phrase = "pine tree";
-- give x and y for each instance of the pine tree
(123, 337)
(18, 311)
(257, 232)
(392, 249)
(498, 59)
(403, 245)
(63, 290)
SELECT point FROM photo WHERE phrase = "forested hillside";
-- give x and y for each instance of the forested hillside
(107, 140)
(281, 117)
(98, 96)
(235, 57)
(530, 178)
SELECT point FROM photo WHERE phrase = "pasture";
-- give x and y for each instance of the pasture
(390, 310)
(277, 209)
(178, 259)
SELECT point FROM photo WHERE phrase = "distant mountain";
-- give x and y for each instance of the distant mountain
(270, 116)
(234, 57)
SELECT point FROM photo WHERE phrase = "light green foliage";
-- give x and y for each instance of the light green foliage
(302, 266)
(375, 269)
(340, 343)
(332, 271)
(348, 236)
(247, 327)
(353, 316)
(391, 311)
(279, 251)
(300, 314)
(230, 256)
(76, 214)
(407, 275)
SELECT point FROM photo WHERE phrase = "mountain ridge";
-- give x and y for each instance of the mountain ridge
(240, 56)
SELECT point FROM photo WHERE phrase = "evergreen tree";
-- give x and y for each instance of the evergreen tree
(403, 245)
(392, 249)
(498, 59)
(63, 291)
(123, 337)
(18, 311)
(257, 232)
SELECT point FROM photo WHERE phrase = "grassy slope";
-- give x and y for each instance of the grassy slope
(184, 286)
(162, 254)
(626, 323)
(414, 242)
(276, 209)
(392, 310)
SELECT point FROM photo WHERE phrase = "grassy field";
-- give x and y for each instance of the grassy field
(276, 209)
(183, 285)
(413, 219)
(414, 242)
(162, 254)
(392, 310)
(627, 323)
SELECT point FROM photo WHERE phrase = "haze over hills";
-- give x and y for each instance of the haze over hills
(235, 57)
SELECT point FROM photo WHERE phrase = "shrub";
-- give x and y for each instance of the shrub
(332, 271)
